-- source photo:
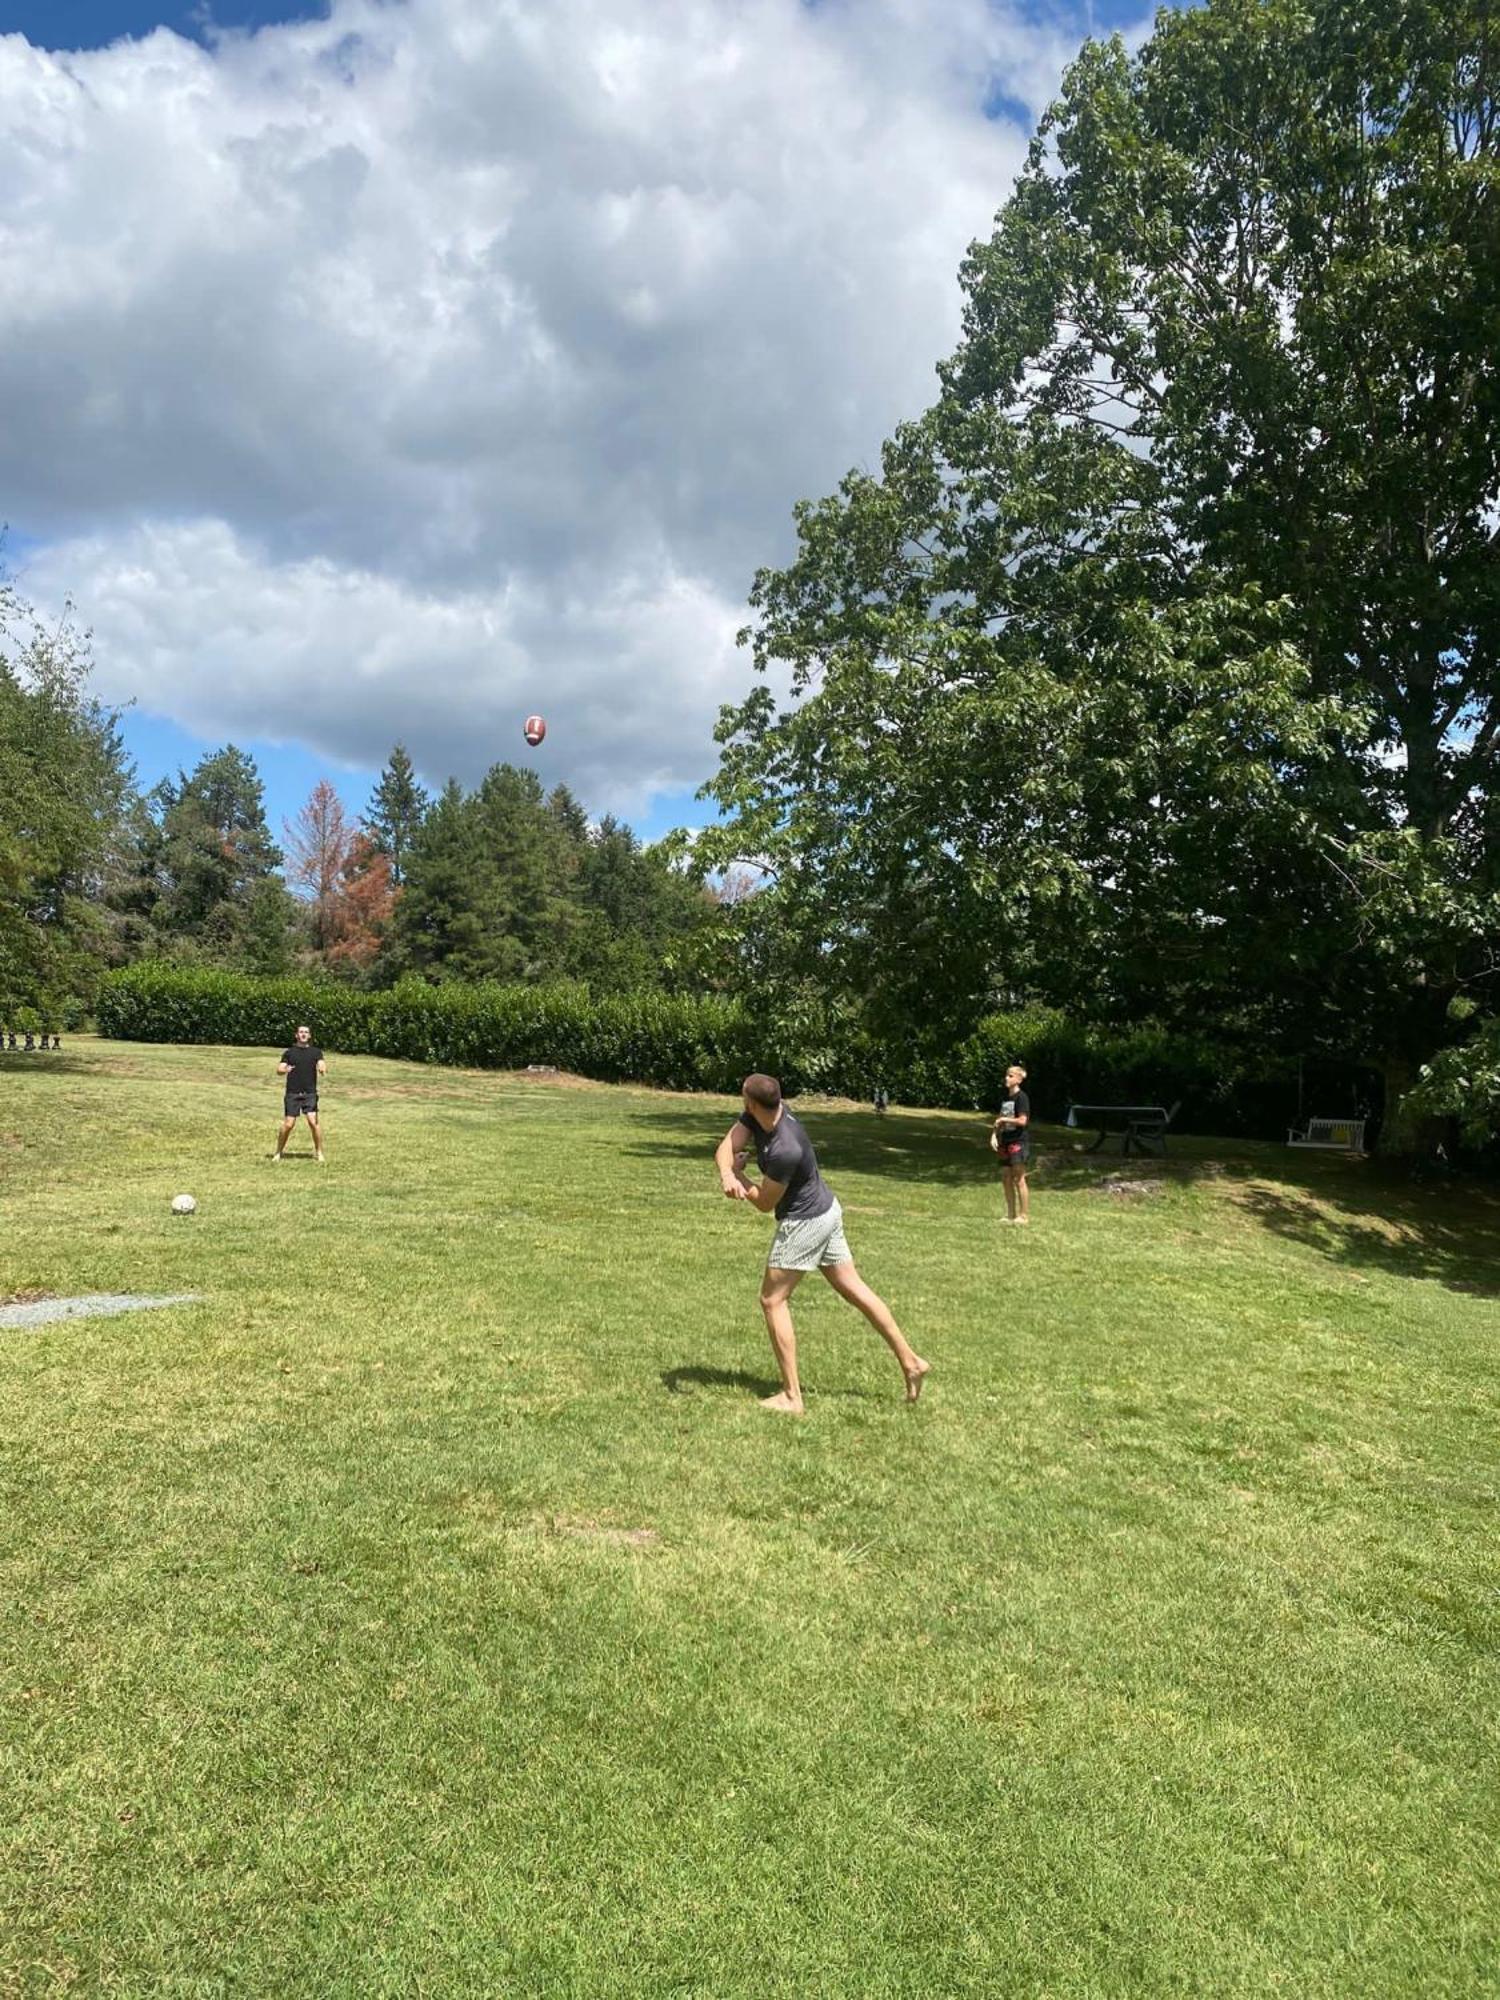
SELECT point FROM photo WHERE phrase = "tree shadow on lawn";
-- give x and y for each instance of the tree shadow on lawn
(1365, 1216)
(951, 1149)
(906, 1146)
(1354, 1212)
(51, 1062)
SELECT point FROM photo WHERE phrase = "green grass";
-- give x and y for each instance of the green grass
(1153, 1653)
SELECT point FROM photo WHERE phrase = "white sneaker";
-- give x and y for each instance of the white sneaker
(321, 1158)
(275, 1159)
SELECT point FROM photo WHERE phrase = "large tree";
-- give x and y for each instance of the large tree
(396, 810)
(1160, 665)
(65, 791)
(207, 881)
(319, 843)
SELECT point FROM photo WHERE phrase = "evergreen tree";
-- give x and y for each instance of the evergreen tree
(438, 929)
(397, 808)
(206, 855)
(519, 901)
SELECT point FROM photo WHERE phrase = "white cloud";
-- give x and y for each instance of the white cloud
(392, 374)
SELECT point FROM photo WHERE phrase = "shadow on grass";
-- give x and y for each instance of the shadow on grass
(946, 1150)
(1355, 1213)
(905, 1146)
(55, 1062)
(1362, 1218)
(683, 1381)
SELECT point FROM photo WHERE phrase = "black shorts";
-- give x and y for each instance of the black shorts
(1016, 1154)
(301, 1103)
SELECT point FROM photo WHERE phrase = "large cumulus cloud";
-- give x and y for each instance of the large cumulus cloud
(393, 374)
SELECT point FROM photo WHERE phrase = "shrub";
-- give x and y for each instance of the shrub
(707, 1042)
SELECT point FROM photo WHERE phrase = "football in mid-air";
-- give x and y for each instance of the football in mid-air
(534, 730)
(183, 1204)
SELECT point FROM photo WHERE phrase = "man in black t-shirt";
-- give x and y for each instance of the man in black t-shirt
(809, 1234)
(302, 1064)
(1010, 1137)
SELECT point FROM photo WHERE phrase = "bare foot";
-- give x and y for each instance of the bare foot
(914, 1376)
(783, 1404)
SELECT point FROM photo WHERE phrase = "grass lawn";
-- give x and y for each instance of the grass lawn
(432, 1611)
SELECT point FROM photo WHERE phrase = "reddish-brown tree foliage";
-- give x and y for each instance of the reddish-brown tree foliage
(366, 897)
(344, 879)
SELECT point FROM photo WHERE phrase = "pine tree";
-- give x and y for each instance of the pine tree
(397, 808)
(208, 853)
(438, 929)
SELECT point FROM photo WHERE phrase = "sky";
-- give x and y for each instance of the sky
(387, 370)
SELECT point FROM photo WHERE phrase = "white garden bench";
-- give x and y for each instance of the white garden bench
(1331, 1135)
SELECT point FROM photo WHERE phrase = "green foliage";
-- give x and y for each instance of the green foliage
(205, 887)
(1463, 1083)
(705, 1042)
(397, 808)
(64, 795)
(682, 1043)
(506, 884)
(1158, 663)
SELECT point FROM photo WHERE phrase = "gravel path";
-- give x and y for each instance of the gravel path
(100, 1305)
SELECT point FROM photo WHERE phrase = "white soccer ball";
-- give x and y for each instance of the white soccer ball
(183, 1204)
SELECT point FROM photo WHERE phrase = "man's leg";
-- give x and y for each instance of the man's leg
(1023, 1196)
(849, 1285)
(285, 1133)
(317, 1135)
(1010, 1194)
(776, 1289)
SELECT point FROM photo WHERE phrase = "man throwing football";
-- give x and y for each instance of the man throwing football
(809, 1234)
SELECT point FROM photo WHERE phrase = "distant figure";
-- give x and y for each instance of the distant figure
(809, 1234)
(882, 1100)
(1010, 1137)
(302, 1065)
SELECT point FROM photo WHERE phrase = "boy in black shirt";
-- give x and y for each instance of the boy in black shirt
(301, 1065)
(809, 1234)
(1010, 1137)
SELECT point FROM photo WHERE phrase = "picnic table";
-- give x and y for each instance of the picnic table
(1142, 1127)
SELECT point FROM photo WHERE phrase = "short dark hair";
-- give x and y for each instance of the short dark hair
(763, 1090)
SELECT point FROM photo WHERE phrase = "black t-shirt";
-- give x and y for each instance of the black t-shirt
(303, 1064)
(786, 1155)
(1018, 1105)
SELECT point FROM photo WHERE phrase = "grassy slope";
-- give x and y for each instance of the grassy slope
(1153, 1653)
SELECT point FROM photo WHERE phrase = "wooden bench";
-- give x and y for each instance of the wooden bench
(1330, 1135)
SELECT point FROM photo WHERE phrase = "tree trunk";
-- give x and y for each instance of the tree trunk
(1409, 1138)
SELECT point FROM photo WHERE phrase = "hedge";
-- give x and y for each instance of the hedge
(707, 1042)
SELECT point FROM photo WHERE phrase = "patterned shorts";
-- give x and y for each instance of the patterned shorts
(812, 1244)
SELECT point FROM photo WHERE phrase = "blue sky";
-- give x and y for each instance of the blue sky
(91, 24)
(393, 374)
